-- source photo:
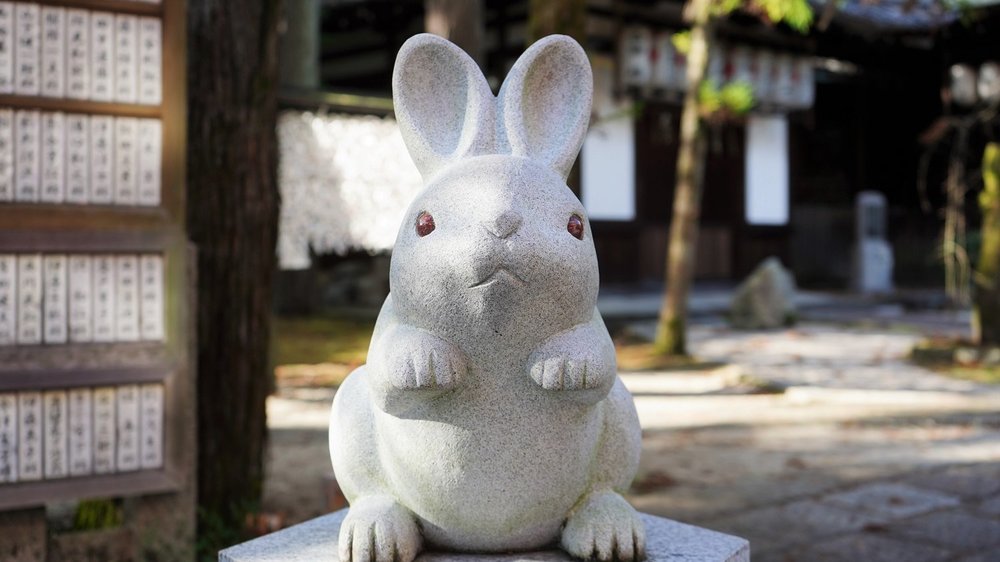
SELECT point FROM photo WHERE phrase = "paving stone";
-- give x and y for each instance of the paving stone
(892, 500)
(979, 557)
(991, 506)
(795, 523)
(953, 529)
(23, 535)
(868, 548)
(772, 556)
(973, 481)
(746, 527)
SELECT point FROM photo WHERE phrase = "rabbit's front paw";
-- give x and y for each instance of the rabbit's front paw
(605, 528)
(415, 360)
(377, 529)
(560, 373)
(571, 361)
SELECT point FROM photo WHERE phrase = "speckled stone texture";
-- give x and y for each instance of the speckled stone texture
(490, 417)
(315, 541)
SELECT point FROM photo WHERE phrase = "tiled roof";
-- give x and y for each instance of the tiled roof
(894, 15)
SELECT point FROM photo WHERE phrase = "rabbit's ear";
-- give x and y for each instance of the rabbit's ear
(545, 102)
(444, 106)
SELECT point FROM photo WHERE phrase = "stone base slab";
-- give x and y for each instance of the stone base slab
(316, 541)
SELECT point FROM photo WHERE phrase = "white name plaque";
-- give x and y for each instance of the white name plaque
(104, 430)
(77, 54)
(81, 299)
(104, 298)
(56, 427)
(53, 186)
(128, 428)
(81, 425)
(29, 414)
(29, 299)
(8, 299)
(53, 52)
(54, 295)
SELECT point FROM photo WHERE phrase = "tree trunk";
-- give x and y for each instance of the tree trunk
(567, 17)
(299, 47)
(459, 21)
(563, 17)
(232, 218)
(986, 317)
(672, 325)
(957, 265)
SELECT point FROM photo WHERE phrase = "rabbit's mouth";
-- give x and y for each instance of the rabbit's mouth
(498, 275)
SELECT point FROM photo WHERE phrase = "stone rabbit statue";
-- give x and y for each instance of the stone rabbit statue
(490, 417)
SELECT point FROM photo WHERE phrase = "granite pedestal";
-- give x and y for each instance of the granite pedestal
(316, 541)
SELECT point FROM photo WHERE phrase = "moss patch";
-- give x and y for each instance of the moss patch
(959, 359)
(94, 515)
(312, 376)
(985, 375)
(645, 357)
(319, 350)
(321, 339)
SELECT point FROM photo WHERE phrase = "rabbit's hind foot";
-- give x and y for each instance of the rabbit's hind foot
(378, 529)
(605, 527)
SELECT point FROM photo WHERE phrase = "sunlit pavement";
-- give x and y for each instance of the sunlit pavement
(863, 457)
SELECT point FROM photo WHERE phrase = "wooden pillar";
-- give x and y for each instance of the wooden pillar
(233, 220)
(299, 47)
(459, 21)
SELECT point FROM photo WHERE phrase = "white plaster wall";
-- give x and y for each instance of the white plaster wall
(608, 170)
(767, 170)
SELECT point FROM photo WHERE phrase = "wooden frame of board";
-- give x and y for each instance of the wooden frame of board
(109, 229)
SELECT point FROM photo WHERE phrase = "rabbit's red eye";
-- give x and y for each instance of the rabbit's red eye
(425, 224)
(575, 226)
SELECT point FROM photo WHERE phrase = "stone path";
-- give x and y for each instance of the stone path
(795, 488)
(864, 458)
(823, 355)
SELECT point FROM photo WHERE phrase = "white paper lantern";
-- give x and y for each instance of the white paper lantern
(741, 60)
(677, 80)
(988, 84)
(716, 65)
(803, 87)
(783, 92)
(664, 62)
(636, 62)
(963, 84)
(762, 69)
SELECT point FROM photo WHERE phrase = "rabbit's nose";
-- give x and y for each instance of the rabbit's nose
(504, 225)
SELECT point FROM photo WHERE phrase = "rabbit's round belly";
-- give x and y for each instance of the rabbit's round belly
(491, 487)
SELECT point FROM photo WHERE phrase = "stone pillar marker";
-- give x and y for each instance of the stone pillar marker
(490, 418)
(873, 253)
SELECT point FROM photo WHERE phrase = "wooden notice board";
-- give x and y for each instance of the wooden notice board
(95, 374)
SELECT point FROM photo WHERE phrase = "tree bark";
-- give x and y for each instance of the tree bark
(299, 47)
(957, 265)
(563, 17)
(232, 218)
(459, 21)
(672, 325)
(986, 317)
(566, 17)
